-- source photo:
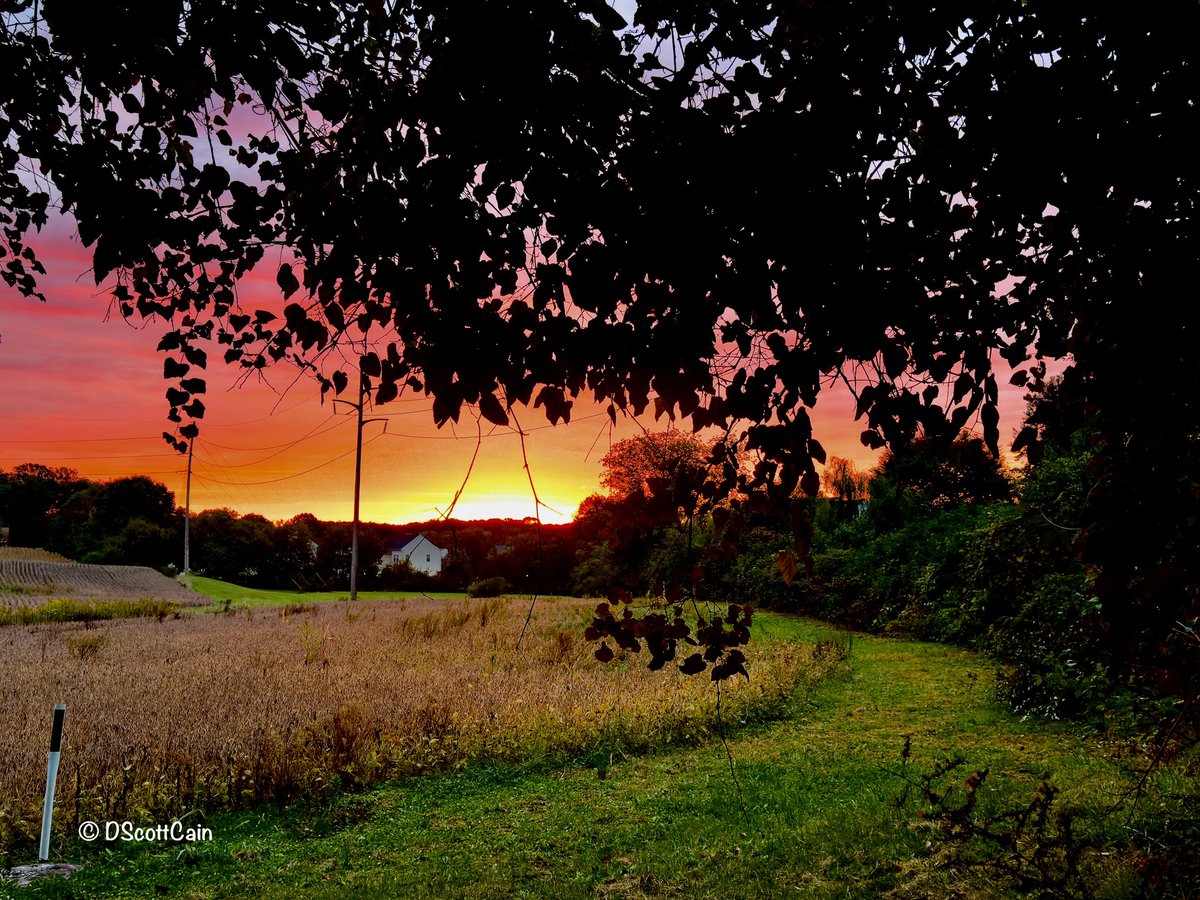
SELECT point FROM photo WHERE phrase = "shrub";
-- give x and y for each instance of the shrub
(487, 587)
(752, 577)
(1054, 665)
(402, 576)
(909, 579)
(85, 646)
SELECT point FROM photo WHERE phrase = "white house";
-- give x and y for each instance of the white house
(418, 551)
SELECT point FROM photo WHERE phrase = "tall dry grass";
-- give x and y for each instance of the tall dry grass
(268, 704)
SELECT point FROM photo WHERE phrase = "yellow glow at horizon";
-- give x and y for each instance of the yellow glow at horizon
(555, 511)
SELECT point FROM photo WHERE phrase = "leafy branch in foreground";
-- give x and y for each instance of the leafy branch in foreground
(662, 632)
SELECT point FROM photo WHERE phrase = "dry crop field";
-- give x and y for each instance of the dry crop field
(29, 580)
(32, 553)
(266, 704)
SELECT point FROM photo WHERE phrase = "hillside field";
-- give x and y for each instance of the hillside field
(33, 577)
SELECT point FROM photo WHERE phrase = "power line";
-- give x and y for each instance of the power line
(341, 420)
(407, 412)
(269, 415)
(234, 497)
(112, 475)
(152, 437)
(49, 418)
(285, 477)
(124, 456)
(45, 418)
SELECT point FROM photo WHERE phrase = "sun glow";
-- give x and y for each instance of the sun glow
(555, 510)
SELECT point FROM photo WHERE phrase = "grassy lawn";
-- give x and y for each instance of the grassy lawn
(814, 810)
(241, 597)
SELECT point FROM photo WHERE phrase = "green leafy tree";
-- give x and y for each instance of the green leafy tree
(293, 554)
(333, 555)
(654, 464)
(654, 484)
(215, 553)
(142, 542)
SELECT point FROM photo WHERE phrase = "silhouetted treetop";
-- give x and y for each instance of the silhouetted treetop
(652, 462)
(946, 473)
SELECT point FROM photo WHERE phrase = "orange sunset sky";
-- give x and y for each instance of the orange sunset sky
(82, 392)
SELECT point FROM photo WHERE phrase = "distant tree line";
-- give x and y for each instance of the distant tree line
(134, 521)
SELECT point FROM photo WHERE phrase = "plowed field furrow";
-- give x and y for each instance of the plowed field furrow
(26, 582)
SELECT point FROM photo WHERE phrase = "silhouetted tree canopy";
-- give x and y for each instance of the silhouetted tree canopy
(946, 473)
(31, 494)
(841, 480)
(127, 521)
(711, 211)
(654, 464)
(653, 485)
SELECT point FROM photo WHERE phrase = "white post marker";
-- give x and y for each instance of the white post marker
(60, 713)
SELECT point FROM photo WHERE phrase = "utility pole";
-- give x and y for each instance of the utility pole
(358, 408)
(357, 486)
(187, 515)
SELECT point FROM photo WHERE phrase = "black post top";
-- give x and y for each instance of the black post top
(60, 713)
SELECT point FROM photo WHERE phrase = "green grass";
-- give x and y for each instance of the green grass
(71, 610)
(813, 811)
(241, 597)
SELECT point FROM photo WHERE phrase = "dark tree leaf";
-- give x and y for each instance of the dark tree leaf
(174, 369)
(387, 393)
(287, 280)
(490, 409)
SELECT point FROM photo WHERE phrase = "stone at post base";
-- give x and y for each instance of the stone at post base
(26, 875)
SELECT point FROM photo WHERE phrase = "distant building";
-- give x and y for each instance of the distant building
(418, 551)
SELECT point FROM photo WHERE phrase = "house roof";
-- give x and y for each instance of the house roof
(400, 541)
(406, 542)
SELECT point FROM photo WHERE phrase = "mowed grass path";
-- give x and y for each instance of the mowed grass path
(815, 814)
(241, 597)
